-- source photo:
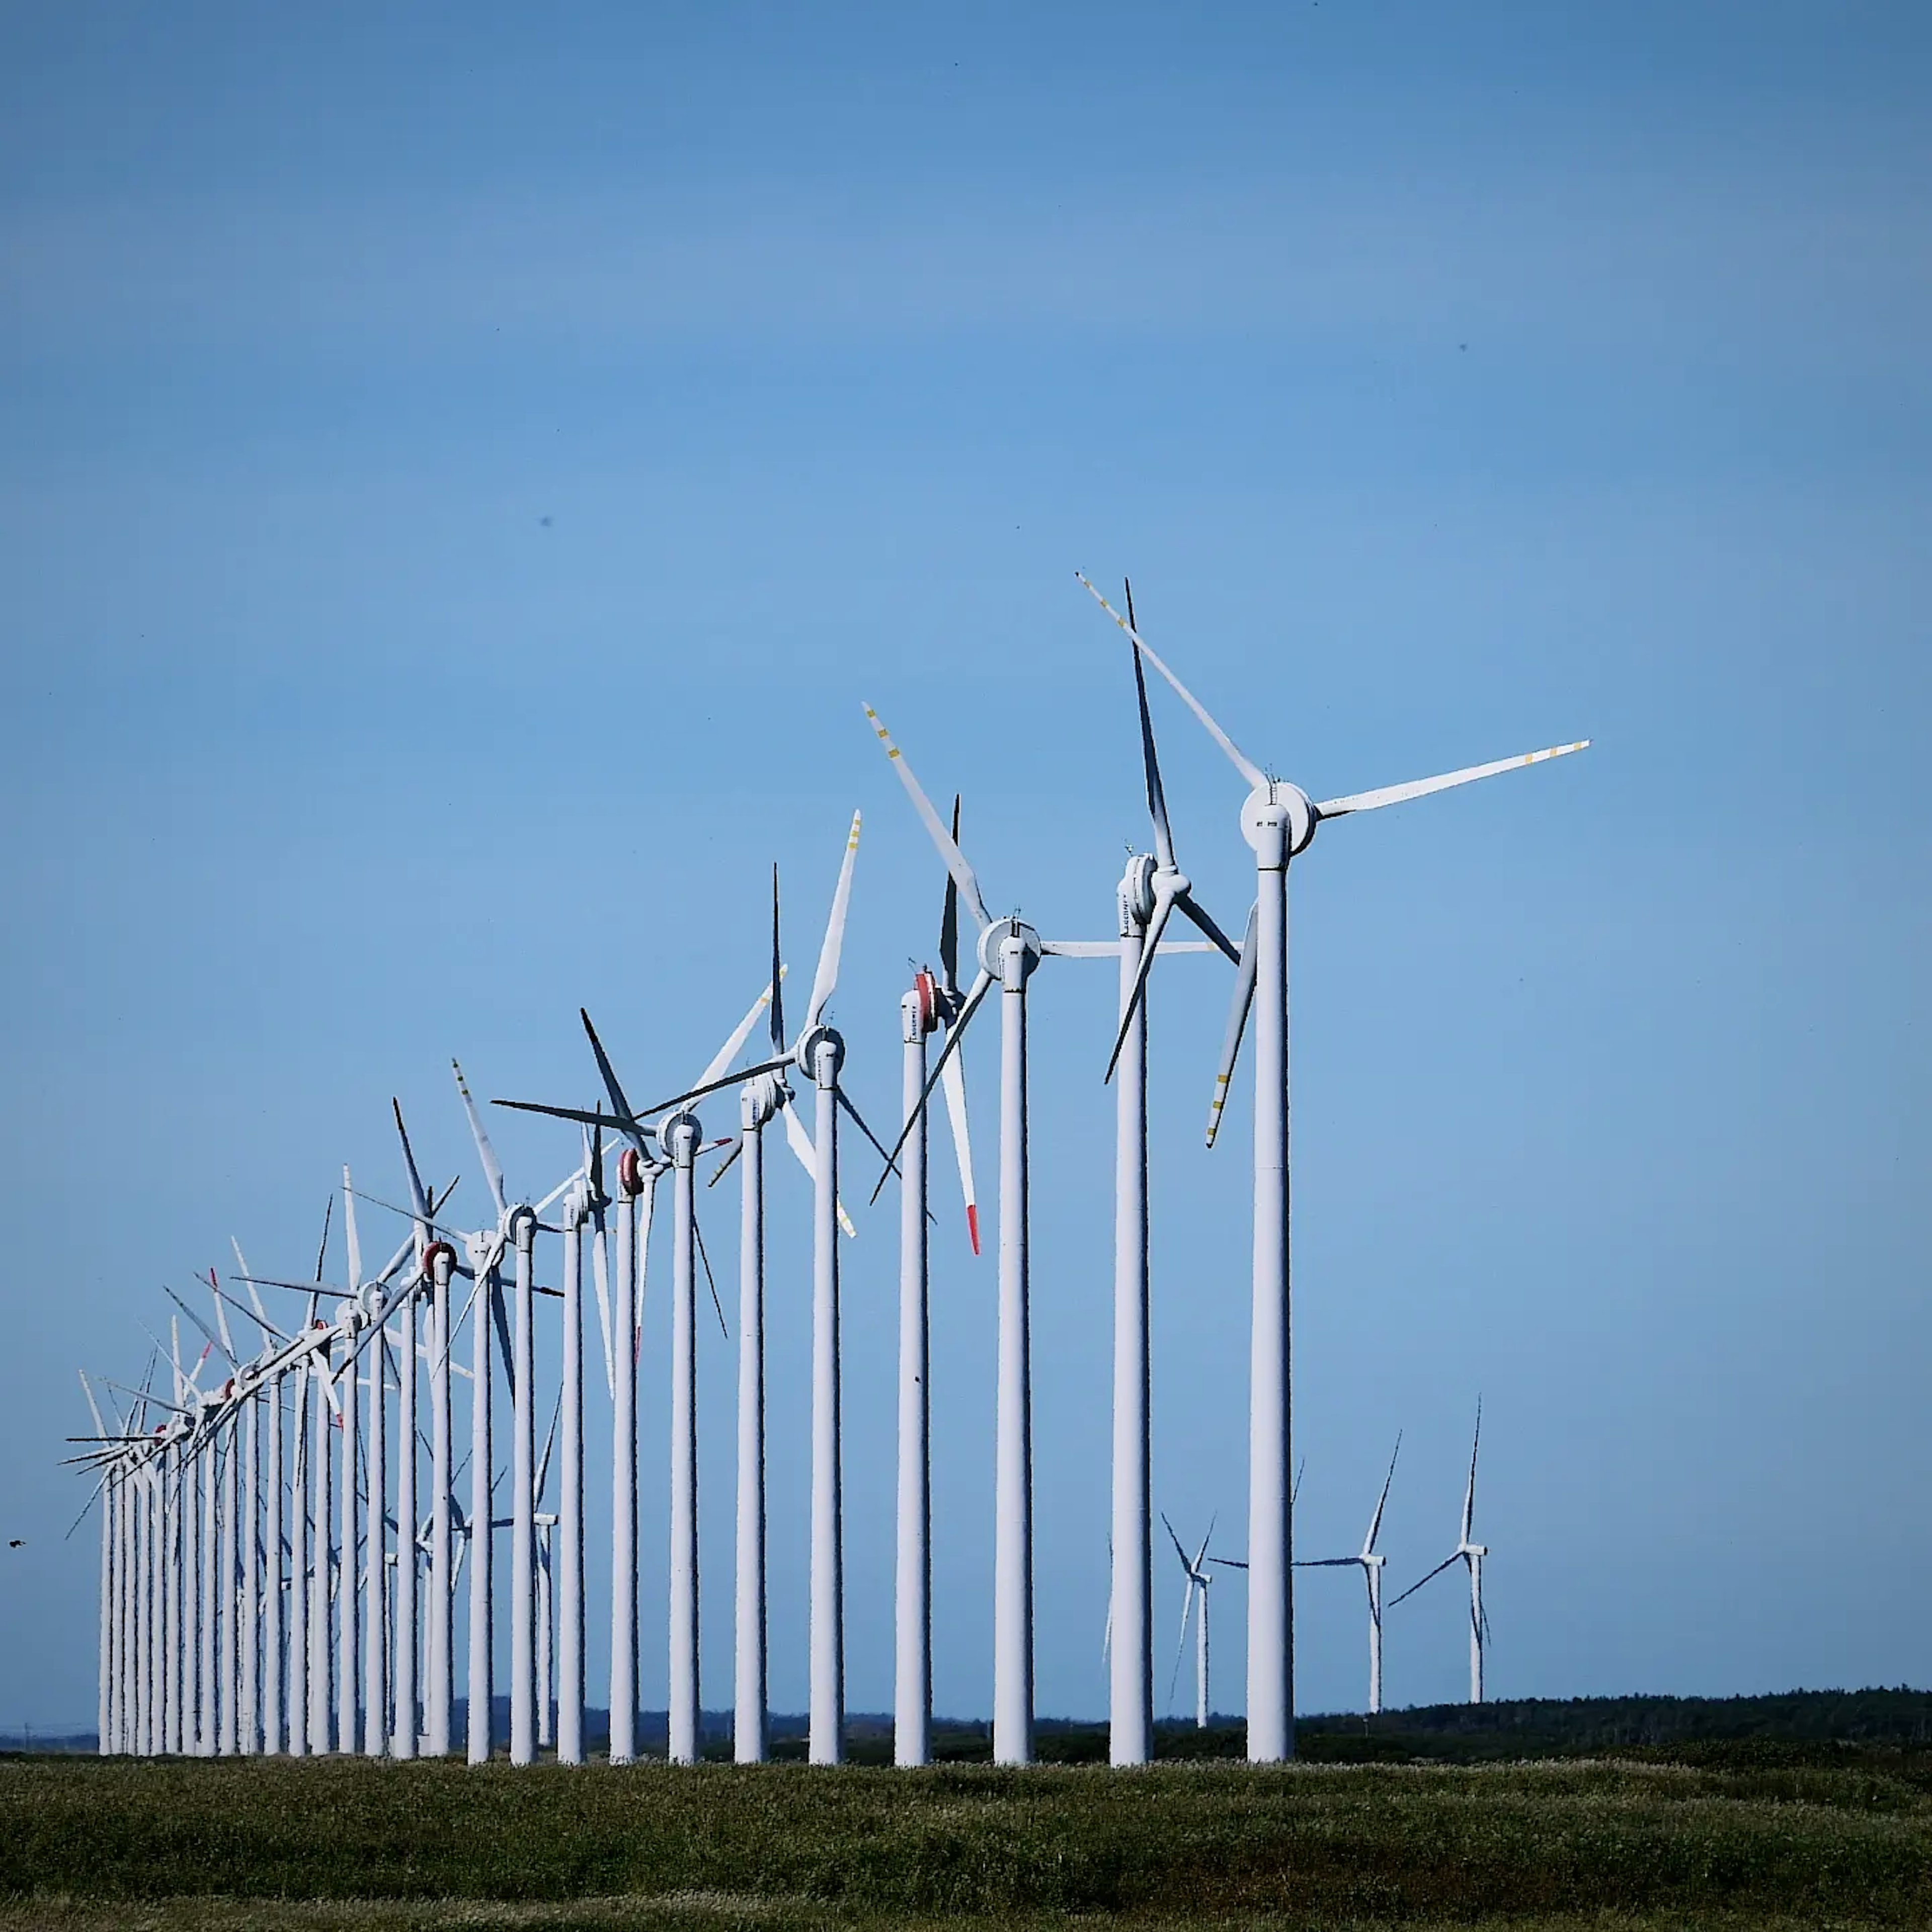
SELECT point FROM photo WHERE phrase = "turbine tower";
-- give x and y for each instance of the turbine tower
(1467, 1551)
(1278, 820)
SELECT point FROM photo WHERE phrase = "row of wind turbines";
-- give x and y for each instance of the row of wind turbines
(273, 1577)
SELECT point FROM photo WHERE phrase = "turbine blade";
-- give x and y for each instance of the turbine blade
(221, 1318)
(952, 1081)
(711, 1086)
(711, 1280)
(212, 1343)
(94, 1407)
(261, 1313)
(739, 1034)
(954, 1034)
(948, 918)
(1176, 1541)
(1156, 799)
(419, 1197)
(500, 1314)
(778, 1032)
(590, 1117)
(1180, 1648)
(1198, 914)
(493, 1170)
(627, 1123)
(1200, 1555)
(600, 1276)
(1469, 1494)
(349, 1234)
(827, 978)
(1400, 794)
(1375, 1524)
(1242, 763)
(724, 1167)
(1238, 1009)
(948, 850)
(1453, 1557)
(329, 1208)
(1163, 909)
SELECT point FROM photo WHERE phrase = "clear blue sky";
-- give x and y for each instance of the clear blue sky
(464, 468)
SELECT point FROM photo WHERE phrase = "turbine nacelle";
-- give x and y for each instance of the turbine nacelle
(760, 1100)
(1135, 896)
(1276, 813)
(999, 942)
(806, 1053)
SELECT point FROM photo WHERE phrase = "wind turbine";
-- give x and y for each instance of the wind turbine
(1471, 1553)
(818, 1052)
(680, 1140)
(1371, 1567)
(1151, 891)
(1198, 1581)
(1278, 819)
(933, 1002)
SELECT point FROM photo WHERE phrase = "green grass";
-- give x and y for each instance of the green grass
(1618, 1845)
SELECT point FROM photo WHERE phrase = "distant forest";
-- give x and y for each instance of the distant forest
(1803, 1721)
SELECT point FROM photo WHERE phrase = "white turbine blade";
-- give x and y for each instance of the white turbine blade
(1454, 1556)
(221, 1318)
(87, 1390)
(418, 1199)
(800, 1142)
(1375, 1524)
(349, 1233)
(1238, 1010)
(741, 1032)
(826, 977)
(493, 1170)
(174, 1336)
(1157, 798)
(261, 1313)
(953, 1082)
(1372, 801)
(1180, 1648)
(1469, 1494)
(1242, 763)
(647, 1208)
(948, 850)
(600, 1276)
(1163, 910)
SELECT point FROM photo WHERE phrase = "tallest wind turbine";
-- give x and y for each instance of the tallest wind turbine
(1278, 820)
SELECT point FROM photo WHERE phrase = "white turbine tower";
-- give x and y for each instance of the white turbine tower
(1278, 820)
(1370, 1565)
(1198, 1581)
(1470, 1552)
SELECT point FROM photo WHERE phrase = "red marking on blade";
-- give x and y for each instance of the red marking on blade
(973, 1226)
(637, 1346)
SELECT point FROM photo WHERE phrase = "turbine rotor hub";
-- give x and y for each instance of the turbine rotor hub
(811, 1048)
(1002, 935)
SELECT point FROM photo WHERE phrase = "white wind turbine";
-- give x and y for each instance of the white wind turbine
(818, 1052)
(1370, 1565)
(1472, 1553)
(680, 1141)
(1278, 820)
(1151, 891)
(933, 1002)
(1198, 1581)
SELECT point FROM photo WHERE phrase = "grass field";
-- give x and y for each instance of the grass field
(1827, 1837)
